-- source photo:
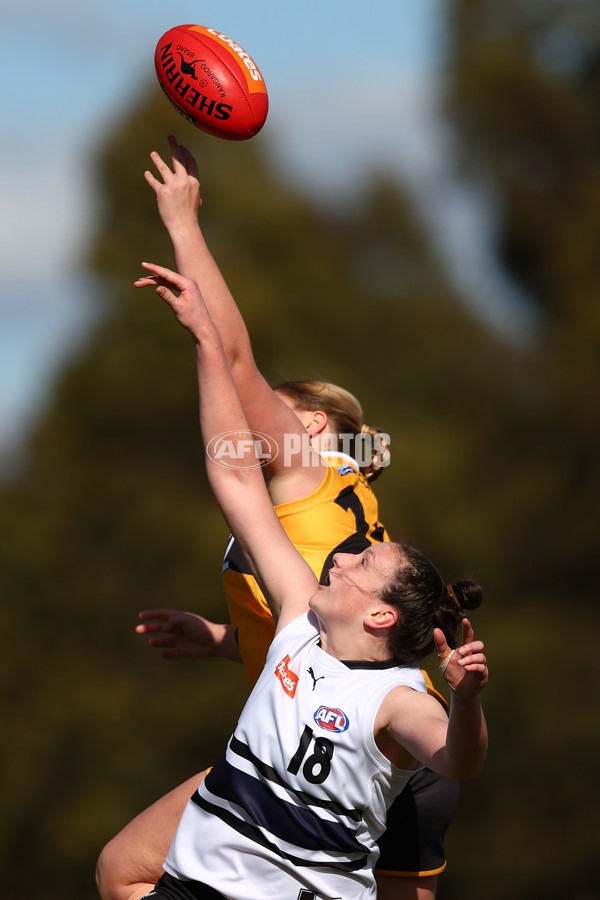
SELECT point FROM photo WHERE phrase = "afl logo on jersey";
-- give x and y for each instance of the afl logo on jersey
(331, 719)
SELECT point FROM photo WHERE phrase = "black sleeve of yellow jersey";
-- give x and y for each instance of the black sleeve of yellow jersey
(413, 843)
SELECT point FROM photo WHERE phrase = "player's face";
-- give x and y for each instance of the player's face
(356, 578)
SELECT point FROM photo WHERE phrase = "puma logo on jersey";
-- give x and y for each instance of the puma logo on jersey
(331, 719)
(314, 678)
(288, 679)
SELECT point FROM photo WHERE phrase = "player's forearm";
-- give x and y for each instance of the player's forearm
(225, 644)
(466, 742)
(238, 485)
(220, 408)
(225, 431)
(194, 260)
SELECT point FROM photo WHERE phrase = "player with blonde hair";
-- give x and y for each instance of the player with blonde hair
(325, 504)
(340, 719)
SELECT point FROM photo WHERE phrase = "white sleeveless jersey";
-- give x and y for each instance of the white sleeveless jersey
(294, 808)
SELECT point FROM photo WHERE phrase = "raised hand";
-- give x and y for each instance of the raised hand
(178, 189)
(183, 634)
(465, 669)
(188, 307)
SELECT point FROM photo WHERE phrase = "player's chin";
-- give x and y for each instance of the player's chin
(313, 600)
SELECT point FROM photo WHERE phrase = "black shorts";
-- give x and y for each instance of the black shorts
(169, 888)
(413, 843)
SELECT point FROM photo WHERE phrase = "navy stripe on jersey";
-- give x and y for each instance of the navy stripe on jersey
(294, 824)
(271, 774)
(253, 834)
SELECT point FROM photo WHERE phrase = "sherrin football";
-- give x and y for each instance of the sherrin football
(212, 82)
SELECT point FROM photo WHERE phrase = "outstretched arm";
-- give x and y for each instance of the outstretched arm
(453, 746)
(179, 200)
(286, 579)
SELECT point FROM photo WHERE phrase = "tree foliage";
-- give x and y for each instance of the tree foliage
(493, 469)
(523, 94)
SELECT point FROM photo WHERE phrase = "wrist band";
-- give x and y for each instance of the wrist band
(444, 660)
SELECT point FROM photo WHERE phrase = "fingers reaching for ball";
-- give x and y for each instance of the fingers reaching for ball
(187, 305)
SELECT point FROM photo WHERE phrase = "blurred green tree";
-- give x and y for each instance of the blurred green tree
(493, 467)
(523, 97)
(113, 513)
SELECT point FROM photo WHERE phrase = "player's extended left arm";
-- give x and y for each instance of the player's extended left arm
(239, 487)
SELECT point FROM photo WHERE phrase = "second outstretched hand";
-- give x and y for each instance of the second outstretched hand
(239, 487)
(189, 307)
(183, 634)
(465, 669)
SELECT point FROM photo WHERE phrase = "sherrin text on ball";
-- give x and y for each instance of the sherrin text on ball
(212, 81)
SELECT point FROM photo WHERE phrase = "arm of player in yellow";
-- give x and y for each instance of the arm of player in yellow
(179, 199)
(180, 634)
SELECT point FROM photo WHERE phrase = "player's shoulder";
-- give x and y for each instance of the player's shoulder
(347, 471)
(340, 462)
(410, 699)
(297, 629)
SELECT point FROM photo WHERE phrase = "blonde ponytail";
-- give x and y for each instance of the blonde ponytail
(345, 417)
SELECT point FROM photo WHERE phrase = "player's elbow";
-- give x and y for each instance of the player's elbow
(240, 360)
(469, 765)
(468, 771)
(460, 763)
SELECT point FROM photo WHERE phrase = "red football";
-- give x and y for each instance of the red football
(212, 82)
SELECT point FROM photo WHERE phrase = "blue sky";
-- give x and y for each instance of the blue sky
(70, 68)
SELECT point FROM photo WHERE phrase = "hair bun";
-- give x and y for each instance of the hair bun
(380, 452)
(465, 594)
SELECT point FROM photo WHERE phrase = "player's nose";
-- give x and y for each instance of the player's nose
(340, 558)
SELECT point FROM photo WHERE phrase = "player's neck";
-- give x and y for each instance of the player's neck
(348, 644)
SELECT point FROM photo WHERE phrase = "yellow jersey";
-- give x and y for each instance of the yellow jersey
(340, 516)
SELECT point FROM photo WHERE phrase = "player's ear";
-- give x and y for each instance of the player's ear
(317, 422)
(381, 617)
